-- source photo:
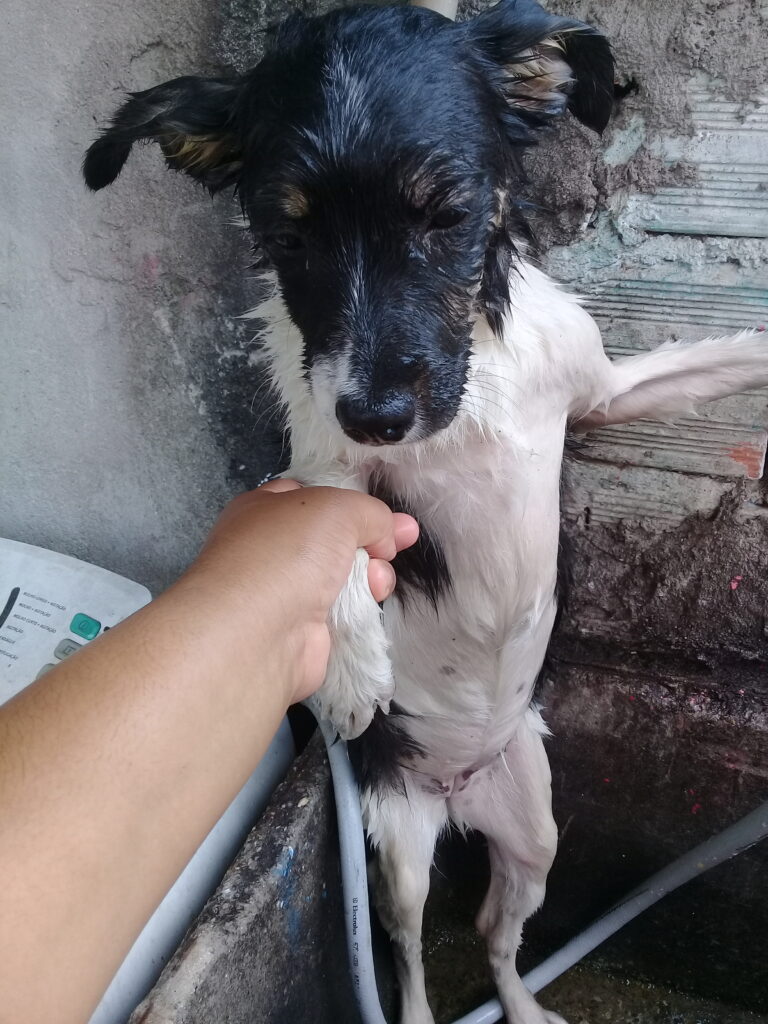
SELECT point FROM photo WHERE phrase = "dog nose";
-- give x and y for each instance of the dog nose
(384, 422)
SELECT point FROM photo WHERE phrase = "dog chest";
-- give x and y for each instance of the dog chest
(466, 663)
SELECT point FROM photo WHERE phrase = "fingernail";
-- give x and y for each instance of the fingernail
(389, 586)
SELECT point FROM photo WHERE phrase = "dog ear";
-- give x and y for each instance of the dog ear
(193, 121)
(548, 63)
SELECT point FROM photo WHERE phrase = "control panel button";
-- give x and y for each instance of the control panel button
(44, 669)
(84, 626)
(66, 647)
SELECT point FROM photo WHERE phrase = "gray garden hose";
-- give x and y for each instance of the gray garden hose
(735, 839)
(354, 879)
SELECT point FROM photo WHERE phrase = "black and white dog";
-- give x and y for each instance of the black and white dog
(376, 153)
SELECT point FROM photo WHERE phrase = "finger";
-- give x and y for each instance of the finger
(406, 530)
(385, 549)
(381, 579)
(370, 520)
(245, 502)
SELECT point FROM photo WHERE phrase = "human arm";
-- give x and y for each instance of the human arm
(115, 765)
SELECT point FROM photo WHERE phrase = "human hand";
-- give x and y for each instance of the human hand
(280, 555)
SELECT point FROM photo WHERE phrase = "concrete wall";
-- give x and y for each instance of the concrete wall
(122, 365)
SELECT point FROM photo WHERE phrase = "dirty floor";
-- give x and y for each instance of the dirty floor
(587, 997)
(612, 986)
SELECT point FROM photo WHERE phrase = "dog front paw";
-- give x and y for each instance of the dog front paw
(359, 677)
(350, 722)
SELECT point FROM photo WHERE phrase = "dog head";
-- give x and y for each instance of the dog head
(376, 154)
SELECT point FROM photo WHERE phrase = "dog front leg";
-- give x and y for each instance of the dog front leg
(359, 676)
(674, 379)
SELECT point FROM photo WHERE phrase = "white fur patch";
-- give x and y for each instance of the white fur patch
(676, 377)
(359, 677)
(487, 488)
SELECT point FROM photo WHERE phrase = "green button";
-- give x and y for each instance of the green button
(85, 626)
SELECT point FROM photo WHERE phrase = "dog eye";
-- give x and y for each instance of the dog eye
(447, 218)
(288, 241)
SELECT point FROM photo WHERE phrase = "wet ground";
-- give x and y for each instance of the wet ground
(587, 997)
(618, 984)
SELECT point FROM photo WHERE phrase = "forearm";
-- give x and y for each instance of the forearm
(116, 764)
(103, 801)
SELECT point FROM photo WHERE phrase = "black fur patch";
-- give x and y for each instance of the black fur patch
(385, 748)
(422, 568)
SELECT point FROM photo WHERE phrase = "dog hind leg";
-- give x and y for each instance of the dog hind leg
(509, 801)
(403, 827)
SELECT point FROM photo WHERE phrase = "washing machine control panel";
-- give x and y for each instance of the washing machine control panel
(50, 606)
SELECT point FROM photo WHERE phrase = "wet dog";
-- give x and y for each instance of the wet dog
(377, 156)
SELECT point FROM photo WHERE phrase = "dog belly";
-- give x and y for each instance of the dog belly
(465, 695)
(465, 669)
